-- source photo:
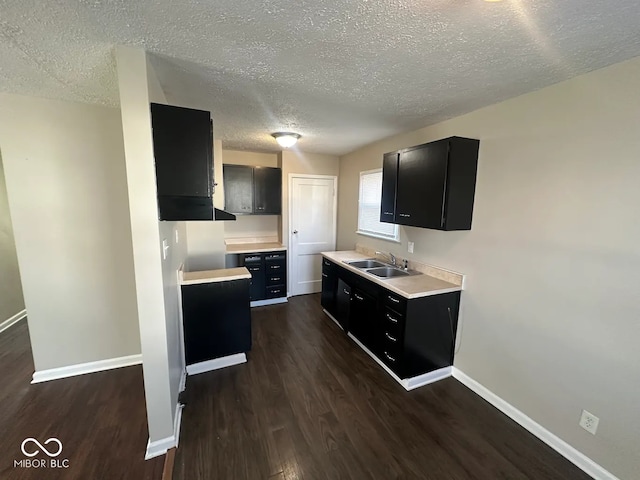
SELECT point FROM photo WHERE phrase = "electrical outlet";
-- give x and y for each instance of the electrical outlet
(589, 422)
(410, 247)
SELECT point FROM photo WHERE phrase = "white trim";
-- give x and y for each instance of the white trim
(216, 363)
(160, 447)
(82, 368)
(576, 457)
(12, 320)
(379, 237)
(183, 381)
(333, 318)
(408, 383)
(291, 279)
(270, 301)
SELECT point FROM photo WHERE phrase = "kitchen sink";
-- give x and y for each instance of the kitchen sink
(387, 272)
(366, 263)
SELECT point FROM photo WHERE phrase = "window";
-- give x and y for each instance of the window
(369, 208)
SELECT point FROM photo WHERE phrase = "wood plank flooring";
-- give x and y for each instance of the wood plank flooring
(310, 404)
(100, 419)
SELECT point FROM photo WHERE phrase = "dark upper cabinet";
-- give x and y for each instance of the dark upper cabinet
(238, 188)
(389, 180)
(183, 152)
(267, 191)
(434, 184)
(252, 190)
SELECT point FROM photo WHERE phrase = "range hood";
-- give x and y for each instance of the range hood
(175, 208)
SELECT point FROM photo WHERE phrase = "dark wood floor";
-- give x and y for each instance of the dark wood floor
(310, 404)
(100, 419)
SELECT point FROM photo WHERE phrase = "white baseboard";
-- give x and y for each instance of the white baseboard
(183, 381)
(82, 368)
(160, 447)
(271, 301)
(563, 448)
(12, 320)
(333, 318)
(407, 383)
(216, 363)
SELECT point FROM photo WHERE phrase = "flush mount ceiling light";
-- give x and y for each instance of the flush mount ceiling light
(286, 139)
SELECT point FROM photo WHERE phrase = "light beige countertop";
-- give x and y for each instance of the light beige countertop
(255, 247)
(210, 276)
(414, 286)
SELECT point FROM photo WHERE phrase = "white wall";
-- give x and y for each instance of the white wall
(11, 299)
(155, 287)
(205, 240)
(64, 167)
(550, 310)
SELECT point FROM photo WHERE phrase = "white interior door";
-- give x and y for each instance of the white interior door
(312, 225)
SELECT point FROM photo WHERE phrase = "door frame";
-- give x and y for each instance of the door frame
(290, 272)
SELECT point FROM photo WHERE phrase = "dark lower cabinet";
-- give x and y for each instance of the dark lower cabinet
(329, 287)
(410, 336)
(343, 304)
(268, 274)
(363, 319)
(217, 320)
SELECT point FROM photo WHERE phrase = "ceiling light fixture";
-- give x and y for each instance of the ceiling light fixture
(286, 139)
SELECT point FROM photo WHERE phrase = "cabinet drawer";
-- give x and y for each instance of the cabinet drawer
(392, 359)
(392, 321)
(270, 257)
(276, 279)
(395, 301)
(392, 341)
(276, 291)
(252, 259)
(272, 268)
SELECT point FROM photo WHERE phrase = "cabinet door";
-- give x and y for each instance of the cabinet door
(267, 191)
(389, 179)
(182, 151)
(421, 183)
(254, 263)
(343, 304)
(363, 319)
(217, 320)
(329, 286)
(238, 189)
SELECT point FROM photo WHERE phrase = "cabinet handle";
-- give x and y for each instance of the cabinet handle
(273, 279)
(254, 269)
(325, 275)
(345, 291)
(390, 337)
(406, 215)
(326, 263)
(275, 291)
(275, 267)
(393, 299)
(358, 297)
(259, 208)
(389, 357)
(394, 320)
(387, 213)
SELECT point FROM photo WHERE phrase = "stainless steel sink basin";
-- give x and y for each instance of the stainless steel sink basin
(366, 263)
(387, 272)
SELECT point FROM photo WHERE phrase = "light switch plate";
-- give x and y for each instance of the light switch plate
(410, 247)
(177, 236)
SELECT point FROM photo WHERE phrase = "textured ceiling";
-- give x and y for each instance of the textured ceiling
(342, 73)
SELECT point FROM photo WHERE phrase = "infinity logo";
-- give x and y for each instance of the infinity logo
(33, 440)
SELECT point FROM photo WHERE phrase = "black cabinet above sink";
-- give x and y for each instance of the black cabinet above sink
(431, 185)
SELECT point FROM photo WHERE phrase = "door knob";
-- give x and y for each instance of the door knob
(295, 231)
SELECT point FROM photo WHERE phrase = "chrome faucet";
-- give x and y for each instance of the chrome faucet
(391, 256)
